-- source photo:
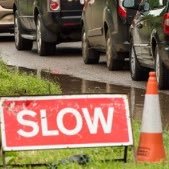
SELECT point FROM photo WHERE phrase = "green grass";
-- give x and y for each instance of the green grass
(14, 83)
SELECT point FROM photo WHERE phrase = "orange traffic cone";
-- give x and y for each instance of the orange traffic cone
(151, 148)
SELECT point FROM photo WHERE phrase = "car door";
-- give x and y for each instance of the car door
(30, 13)
(88, 17)
(155, 25)
(8, 4)
(22, 6)
(143, 31)
(97, 21)
(6, 11)
(141, 35)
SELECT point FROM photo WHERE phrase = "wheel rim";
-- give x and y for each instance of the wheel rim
(108, 51)
(84, 46)
(38, 34)
(132, 62)
(157, 66)
(16, 31)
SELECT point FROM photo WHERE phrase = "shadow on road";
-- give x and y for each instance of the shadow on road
(64, 52)
(69, 51)
(124, 66)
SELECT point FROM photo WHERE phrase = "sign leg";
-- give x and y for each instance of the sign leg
(125, 153)
(3, 159)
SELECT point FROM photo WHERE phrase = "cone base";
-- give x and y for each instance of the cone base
(151, 148)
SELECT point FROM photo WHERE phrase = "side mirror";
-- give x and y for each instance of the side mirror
(146, 6)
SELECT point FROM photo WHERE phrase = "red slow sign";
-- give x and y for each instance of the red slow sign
(65, 121)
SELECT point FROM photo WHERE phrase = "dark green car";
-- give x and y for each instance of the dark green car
(48, 22)
(106, 29)
(150, 40)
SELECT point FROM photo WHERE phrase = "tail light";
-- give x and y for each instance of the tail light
(166, 23)
(54, 5)
(121, 10)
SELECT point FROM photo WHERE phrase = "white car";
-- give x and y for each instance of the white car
(6, 16)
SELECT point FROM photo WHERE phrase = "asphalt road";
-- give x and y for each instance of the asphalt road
(67, 60)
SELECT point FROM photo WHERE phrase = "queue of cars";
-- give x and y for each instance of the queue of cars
(136, 29)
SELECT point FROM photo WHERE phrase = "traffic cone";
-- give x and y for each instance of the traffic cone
(151, 148)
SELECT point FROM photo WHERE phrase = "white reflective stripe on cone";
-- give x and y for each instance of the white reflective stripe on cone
(151, 120)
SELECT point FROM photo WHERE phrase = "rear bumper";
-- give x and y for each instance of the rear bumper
(121, 43)
(64, 27)
(71, 28)
(120, 36)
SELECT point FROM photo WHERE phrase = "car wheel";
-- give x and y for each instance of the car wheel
(162, 72)
(43, 48)
(90, 56)
(112, 62)
(137, 72)
(20, 43)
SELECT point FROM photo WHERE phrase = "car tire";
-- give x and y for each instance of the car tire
(137, 72)
(20, 43)
(90, 56)
(112, 62)
(162, 72)
(43, 48)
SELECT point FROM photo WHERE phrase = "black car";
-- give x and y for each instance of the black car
(106, 29)
(150, 40)
(48, 22)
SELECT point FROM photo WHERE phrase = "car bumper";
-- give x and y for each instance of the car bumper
(121, 38)
(64, 25)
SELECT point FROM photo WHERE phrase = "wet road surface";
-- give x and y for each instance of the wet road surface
(67, 60)
(71, 85)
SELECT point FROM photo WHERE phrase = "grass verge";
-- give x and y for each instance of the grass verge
(14, 83)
